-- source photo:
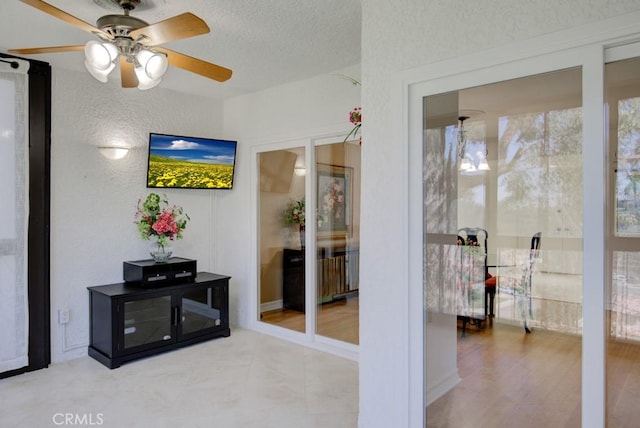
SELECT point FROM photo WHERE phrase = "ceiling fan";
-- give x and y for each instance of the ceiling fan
(135, 43)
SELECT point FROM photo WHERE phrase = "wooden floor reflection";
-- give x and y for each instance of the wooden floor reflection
(338, 320)
(623, 384)
(512, 379)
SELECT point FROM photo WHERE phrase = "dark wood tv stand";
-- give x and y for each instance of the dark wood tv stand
(129, 321)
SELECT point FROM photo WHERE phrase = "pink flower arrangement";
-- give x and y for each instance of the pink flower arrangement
(165, 223)
(355, 115)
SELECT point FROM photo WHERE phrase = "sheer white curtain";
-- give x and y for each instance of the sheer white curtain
(14, 318)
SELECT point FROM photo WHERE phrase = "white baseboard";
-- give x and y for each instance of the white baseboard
(438, 390)
(271, 306)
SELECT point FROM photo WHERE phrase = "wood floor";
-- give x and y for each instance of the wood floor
(512, 379)
(509, 379)
(623, 384)
(338, 320)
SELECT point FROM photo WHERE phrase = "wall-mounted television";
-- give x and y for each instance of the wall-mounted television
(177, 161)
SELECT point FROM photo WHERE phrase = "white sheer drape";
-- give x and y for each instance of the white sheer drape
(14, 319)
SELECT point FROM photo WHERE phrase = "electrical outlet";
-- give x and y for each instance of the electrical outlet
(63, 316)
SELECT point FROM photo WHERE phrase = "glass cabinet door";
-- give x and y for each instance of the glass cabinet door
(147, 321)
(203, 310)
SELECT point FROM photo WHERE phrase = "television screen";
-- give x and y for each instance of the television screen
(190, 163)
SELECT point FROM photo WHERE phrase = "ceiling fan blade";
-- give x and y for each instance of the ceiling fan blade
(176, 28)
(51, 49)
(128, 74)
(196, 65)
(69, 19)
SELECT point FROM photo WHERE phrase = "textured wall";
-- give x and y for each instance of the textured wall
(298, 112)
(398, 36)
(93, 199)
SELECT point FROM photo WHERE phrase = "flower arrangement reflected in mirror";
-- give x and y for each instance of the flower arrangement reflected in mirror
(294, 214)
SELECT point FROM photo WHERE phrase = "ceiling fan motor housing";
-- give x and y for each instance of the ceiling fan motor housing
(119, 25)
(128, 4)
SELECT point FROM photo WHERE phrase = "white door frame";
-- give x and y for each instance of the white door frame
(581, 46)
(309, 338)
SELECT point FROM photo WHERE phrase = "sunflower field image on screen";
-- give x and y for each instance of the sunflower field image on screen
(190, 162)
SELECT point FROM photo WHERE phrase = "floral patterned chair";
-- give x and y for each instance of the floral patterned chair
(474, 271)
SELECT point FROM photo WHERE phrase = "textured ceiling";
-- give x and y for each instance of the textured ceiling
(265, 42)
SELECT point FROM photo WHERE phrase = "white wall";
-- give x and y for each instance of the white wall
(298, 111)
(396, 38)
(93, 199)
(442, 370)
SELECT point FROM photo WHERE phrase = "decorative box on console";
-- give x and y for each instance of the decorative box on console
(148, 273)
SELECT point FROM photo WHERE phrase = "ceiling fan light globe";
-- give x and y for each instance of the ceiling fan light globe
(156, 66)
(143, 86)
(112, 49)
(153, 64)
(144, 82)
(100, 55)
(100, 75)
(142, 56)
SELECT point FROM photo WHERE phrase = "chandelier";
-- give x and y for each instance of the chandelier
(470, 162)
(101, 56)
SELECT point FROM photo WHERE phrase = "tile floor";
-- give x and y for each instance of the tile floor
(246, 380)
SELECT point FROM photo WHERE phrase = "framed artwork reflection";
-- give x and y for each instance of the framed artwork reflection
(334, 200)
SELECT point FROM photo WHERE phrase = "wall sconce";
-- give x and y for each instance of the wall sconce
(299, 169)
(113, 152)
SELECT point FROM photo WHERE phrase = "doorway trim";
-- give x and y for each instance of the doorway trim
(580, 46)
(38, 267)
(309, 338)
